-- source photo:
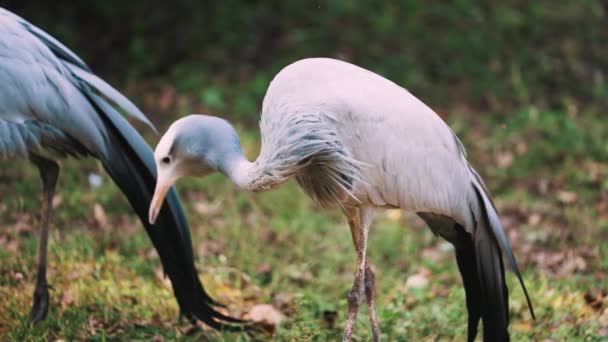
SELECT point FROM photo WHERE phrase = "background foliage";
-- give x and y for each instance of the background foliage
(524, 84)
(490, 53)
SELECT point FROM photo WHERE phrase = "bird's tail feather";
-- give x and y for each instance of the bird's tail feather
(467, 264)
(480, 264)
(129, 161)
(493, 293)
(498, 233)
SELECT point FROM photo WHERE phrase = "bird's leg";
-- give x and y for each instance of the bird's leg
(359, 229)
(49, 171)
(370, 296)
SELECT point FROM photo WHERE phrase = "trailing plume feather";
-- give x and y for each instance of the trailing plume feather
(309, 141)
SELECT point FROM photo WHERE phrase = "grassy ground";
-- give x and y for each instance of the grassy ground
(547, 171)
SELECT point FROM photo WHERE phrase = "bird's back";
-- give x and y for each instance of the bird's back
(409, 157)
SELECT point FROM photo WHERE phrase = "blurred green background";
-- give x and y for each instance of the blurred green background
(523, 83)
(489, 54)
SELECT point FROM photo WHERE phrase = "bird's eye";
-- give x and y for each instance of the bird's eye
(166, 160)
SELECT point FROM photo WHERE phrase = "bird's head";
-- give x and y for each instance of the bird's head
(195, 145)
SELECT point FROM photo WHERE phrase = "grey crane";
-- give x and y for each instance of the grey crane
(358, 141)
(53, 106)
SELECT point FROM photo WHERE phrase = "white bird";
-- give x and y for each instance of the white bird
(358, 141)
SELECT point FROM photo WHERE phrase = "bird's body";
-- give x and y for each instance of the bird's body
(358, 141)
(387, 137)
(52, 106)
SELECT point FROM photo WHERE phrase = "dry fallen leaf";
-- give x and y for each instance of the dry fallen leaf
(504, 159)
(208, 208)
(160, 275)
(285, 301)
(597, 300)
(158, 338)
(522, 326)
(100, 216)
(567, 197)
(18, 276)
(57, 200)
(416, 281)
(534, 219)
(68, 299)
(266, 316)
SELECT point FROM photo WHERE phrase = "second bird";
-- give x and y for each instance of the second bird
(357, 141)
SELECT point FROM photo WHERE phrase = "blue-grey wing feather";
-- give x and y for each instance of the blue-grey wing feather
(56, 46)
(21, 139)
(44, 81)
(109, 92)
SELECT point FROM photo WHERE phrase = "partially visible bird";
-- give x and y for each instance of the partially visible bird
(356, 140)
(53, 106)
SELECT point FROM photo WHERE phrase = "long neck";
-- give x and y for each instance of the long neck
(251, 176)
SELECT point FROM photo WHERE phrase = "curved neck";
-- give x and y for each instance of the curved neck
(250, 176)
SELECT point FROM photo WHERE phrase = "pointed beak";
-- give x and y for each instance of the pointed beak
(163, 184)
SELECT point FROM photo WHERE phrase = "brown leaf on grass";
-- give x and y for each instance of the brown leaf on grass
(23, 225)
(521, 148)
(561, 263)
(567, 197)
(522, 326)
(160, 275)
(18, 276)
(158, 338)
(208, 208)
(100, 216)
(534, 219)
(420, 279)
(597, 299)
(266, 316)
(57, 200)
(9, 244)
(94, 325)
(264, 268)
(504, 159)
(439, 291)
(285, 302)
(299, 276)
(68, 299)
(209, 247)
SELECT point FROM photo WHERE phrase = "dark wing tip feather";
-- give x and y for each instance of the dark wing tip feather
(502, 240)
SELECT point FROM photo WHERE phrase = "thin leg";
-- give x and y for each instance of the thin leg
(359, 230)
(49, 171)
(370, 295)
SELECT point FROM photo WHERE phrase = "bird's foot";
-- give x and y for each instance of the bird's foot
(40, 305)
(355, 297)
(370, 294)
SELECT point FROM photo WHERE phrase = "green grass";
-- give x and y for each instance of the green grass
(281, 249)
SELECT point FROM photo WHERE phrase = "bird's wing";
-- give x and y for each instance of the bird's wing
(413, 159)
(40, 76)
(48, 86)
